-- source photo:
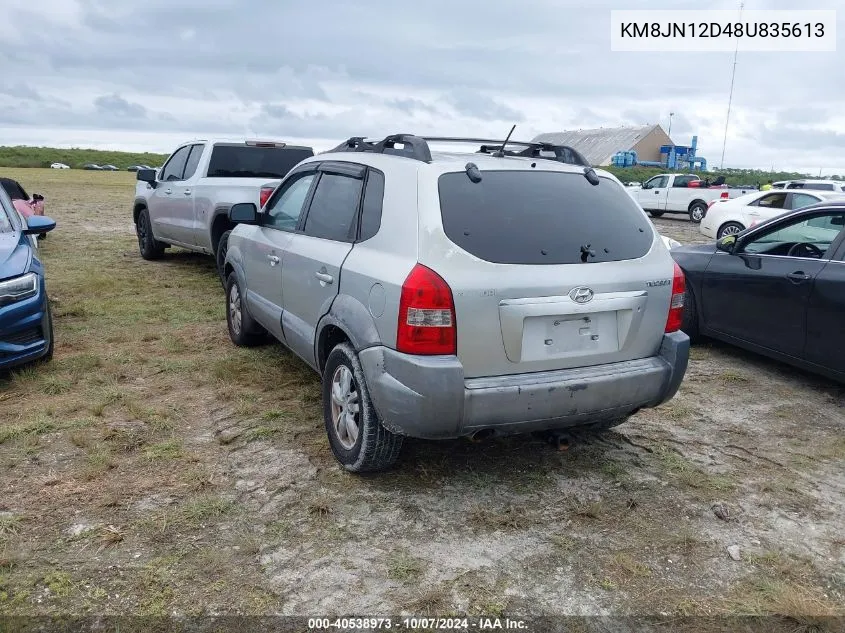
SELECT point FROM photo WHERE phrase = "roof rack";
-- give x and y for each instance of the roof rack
(417, 147)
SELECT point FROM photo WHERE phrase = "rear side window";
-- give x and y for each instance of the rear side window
(371, 208)
(334, 208)
(246, 161)
(193, 161)
(526, 217)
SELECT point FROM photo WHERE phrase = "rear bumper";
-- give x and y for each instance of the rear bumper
(428, 397)
(25, 330)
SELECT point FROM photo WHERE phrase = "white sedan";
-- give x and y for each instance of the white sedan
(729, 217)
(59, 166)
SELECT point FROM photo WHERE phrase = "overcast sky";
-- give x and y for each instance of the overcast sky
(148, 74)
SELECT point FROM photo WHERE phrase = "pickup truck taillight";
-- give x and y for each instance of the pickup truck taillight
(676, 304)
(426, 314)
(265, 194)
(725, 195)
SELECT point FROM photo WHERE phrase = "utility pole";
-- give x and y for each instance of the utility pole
(730, 95)
(669, 133)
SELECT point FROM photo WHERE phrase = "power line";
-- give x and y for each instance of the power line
(730, 95)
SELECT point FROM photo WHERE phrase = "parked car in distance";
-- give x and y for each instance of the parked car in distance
(777, 289)
(817, 185)
(59, 166)
(92, 166)
(680, 193)
(109, 168)
(26, 323)
(729, 217)
(443, 295)
(187, 202)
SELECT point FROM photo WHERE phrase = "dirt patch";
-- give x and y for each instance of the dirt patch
(153, 468)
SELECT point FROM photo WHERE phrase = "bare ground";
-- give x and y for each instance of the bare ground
(153, 468)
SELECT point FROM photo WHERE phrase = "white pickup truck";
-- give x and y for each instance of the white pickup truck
(186, 203)
(681, 193)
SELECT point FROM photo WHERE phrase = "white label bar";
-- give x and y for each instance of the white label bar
(723, 31)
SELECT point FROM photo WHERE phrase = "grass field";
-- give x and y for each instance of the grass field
(153, 468)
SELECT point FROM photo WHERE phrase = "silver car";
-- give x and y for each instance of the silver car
(442, 294)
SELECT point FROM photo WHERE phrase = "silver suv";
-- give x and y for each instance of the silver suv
(442, 295)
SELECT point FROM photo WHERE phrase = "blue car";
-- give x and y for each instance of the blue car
(26, 324)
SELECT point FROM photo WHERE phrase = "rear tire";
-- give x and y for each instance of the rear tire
(356, 435)
(149, 246)
(220, 255)
(697, 212)
(243, 330)
(729, 228)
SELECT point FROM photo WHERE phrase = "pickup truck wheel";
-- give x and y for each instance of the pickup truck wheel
(356, 436)
(149, 246)
(222, 249)
(655, 214)
(729, 228)
(243, 330)
(697, 211)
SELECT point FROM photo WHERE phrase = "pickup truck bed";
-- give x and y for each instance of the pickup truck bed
(186, 203)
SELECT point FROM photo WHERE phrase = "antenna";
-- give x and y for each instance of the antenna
(501, 151)
(730, 96)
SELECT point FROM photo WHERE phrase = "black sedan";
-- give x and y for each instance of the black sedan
(777, 289)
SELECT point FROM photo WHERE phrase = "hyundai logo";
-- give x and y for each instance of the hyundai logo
(581, 294)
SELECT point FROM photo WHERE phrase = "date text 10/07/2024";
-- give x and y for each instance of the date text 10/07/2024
(445, 624)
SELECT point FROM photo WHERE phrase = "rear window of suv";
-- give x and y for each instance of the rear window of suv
(542, 217)
(247, 161)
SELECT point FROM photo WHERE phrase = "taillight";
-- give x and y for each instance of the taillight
(426, 314)
(676, 305)
(265, 194)
(725, 195)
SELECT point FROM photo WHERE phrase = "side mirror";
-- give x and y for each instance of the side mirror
(243, 213)
(727, 244)
(147, 175)
(39, 225)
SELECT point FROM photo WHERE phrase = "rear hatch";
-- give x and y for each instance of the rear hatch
(546, 270)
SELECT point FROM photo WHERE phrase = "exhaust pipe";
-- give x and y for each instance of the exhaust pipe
(481, 435)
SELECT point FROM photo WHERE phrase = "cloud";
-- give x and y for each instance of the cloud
(190, 67)
(115, 105)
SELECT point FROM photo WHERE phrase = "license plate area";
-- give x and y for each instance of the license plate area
(562, 336)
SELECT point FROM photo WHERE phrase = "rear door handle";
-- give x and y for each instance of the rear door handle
(273, 259)
(798, 277)
(168, 191)
(325, 278)
(187, 192)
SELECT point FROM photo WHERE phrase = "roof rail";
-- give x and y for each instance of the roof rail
(412, 146)
(532, 149)
(417, 147)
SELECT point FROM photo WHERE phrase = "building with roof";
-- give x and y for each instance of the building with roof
(599, 145)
